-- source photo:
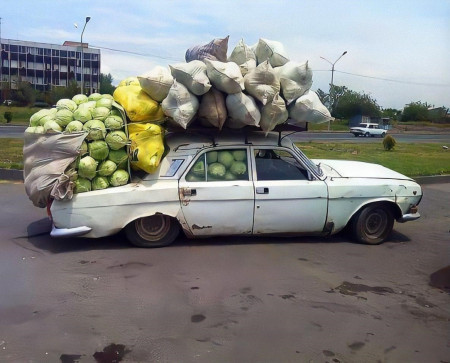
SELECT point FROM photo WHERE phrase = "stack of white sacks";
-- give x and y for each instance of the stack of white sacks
(255, 86)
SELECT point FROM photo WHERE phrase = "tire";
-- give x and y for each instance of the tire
(367, 134)
(158, 230)
(372, 224)
(383, 134)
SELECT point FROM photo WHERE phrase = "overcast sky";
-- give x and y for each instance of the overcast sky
(398, 50)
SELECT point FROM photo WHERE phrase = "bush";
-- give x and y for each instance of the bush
(8, 116)
(389, 142)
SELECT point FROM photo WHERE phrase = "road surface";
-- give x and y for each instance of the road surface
(223, 299)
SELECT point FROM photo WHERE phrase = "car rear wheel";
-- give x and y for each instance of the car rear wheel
(158, 230)
(372, 224)
(383, 134)
(366, 134)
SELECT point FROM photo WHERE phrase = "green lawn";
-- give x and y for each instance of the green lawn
(409, 159)
(21, 115)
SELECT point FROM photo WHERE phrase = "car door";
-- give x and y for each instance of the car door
(288, 199)
(216, 194)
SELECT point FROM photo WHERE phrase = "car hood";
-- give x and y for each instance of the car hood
(357, 169)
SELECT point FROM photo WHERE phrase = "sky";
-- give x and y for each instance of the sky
(398, 51)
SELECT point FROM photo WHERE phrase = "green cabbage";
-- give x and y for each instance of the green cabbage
(79, 99)
(107, 167)
(36, 117)
(193, 178)
(116, 139)
(87, 167)
(96, 129)
(216, 170)
(74, 126)
(98, 150)
(39, 130)
(63, 117)
(100, 113)
(100, 182)
(30, 129)
(104, 102)
(83, 148)
(82, 114)
(114, 122)
(120, 157)
(230, 176)
(239, 155)
(107, 95)
(238, 168)
(82, 185)
(225, 158)
(94, 96)
(71, 172)
(52, 125)
(67, 104)
(199, 168)
(211, 157)
(118, 178)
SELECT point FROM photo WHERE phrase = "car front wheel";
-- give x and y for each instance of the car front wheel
(366, 134)
(372, 224)
(154, 231)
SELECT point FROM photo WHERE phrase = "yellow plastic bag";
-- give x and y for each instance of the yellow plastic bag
(137, 104)
(147, 146)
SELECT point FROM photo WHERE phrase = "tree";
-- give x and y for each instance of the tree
(106, 85)
(392, 113)
(351, 103)
(58, 93)
(415, 111)
(330, 100)
(25, 94)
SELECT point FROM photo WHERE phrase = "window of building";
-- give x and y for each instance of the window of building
(63, 53)
(23, 49)
(14, 48)
(55, 52)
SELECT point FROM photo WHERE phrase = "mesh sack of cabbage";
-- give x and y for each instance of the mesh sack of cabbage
(220, 165)
(82, 143)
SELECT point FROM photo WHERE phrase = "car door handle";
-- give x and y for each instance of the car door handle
(262, 190)
(188, 192)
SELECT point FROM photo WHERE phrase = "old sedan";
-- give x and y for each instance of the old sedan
(243, 184)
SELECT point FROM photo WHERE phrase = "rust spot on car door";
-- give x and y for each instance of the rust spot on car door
(195, 226)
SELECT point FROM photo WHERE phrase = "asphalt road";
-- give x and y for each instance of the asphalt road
(444, 138)
(223, 299)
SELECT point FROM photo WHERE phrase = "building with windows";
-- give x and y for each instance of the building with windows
(46, 66)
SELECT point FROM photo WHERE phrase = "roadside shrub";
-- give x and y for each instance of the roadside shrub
(8, 116)
(389, 142)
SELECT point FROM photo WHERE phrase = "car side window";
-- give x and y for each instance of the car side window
(278, 165)
(220, 165)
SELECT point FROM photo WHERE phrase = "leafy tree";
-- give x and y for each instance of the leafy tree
(25, 94)
(351, 103)
(58, 93)
(392, 113)
(106, 85)
(330, 100)
(415, 111)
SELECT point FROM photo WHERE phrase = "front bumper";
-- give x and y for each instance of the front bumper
(69, 232)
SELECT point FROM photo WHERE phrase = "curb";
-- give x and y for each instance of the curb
(17, 175)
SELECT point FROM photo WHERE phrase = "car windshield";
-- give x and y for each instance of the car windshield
(316, 168)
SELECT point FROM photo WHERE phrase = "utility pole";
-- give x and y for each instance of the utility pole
(82, 55)
(331, 93)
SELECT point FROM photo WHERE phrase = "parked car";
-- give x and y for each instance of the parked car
(240, 184)
(368, 129)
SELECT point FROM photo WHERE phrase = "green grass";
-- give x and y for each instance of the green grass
(409, 159)
(21, 115)
(337, 125)
(11, 153)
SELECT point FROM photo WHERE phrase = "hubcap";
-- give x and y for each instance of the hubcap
(376, 223)
(153, 228)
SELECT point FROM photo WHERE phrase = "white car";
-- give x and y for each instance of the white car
(368, 129)
(241, 184)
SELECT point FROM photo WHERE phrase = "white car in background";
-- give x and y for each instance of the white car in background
(368, 129)
(243, 184)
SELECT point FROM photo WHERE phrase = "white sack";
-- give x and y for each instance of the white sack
(309, 108)
(244, 57)
(180, 105)
(213, 110)
(225, 76)
(295, 79)
(271, 50)
(273, 114)
(192, 75)
(242, 110)
(46, 157)
(216, 49)
(156, 83)
(262, 83)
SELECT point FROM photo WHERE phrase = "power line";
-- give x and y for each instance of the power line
(136, 53)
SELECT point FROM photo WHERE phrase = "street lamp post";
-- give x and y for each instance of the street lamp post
(82, 55)
(331, 96)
